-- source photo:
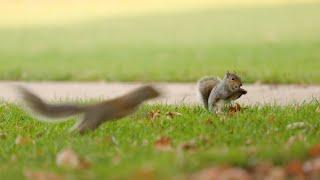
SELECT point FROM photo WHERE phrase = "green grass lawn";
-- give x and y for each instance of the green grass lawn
(272, 44)
(125, 148)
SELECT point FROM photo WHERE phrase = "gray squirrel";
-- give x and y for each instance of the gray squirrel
(216, 93)
(93, 114)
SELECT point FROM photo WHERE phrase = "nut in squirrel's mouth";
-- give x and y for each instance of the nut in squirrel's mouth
(244, 91)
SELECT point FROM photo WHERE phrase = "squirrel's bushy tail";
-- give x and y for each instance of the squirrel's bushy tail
(93, 115)
(204, 87)
(37, 105)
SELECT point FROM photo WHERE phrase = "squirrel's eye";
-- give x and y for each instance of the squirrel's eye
(232, 79)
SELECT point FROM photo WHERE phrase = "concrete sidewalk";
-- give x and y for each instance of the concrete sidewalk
(173, 93)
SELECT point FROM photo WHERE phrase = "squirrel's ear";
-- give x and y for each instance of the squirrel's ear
(228, 74)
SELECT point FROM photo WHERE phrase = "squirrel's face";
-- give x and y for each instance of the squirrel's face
(234, 81)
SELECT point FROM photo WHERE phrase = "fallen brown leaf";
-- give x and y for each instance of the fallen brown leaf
(67, 158)
(84, 164)
(155, 114)
(171, 115)
(189, 146)
(315, 151)
(163, 144)
(295, 168)
(238, 107)
(234, 109)
(39, 135)
(20, 140)
(41, 175)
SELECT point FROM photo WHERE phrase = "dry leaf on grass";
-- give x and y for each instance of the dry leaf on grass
(315, 151)
(163, 144)
(295, 168)
(155, 114)
(20, 140)
(40, 175)
(171, 115)
(189, 146)
(84, 164)
(69, 159)
(39, 135)
(234, 109)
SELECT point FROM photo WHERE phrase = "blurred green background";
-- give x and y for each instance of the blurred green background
(265, 41)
